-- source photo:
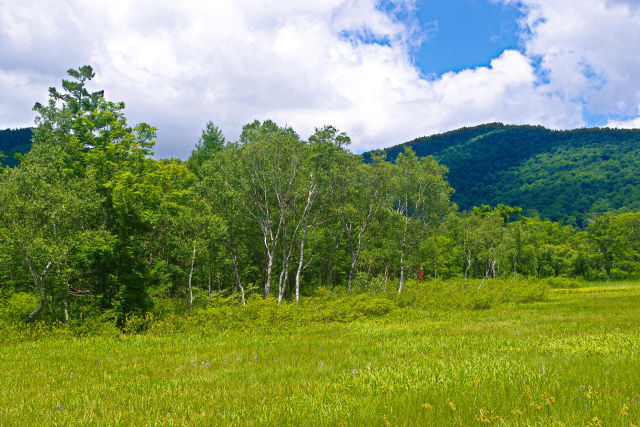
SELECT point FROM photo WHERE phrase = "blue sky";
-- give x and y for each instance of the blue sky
(384, 71)
(464, 33)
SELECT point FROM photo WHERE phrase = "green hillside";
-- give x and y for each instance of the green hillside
(14, 141)
(560, 175)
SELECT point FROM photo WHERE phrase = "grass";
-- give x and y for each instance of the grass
(571, 360)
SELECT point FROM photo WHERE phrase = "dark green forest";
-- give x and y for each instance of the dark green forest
(565, 176)
(92, 224)
(12, 142)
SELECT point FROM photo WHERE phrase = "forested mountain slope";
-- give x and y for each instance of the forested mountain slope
(560, 175)
(14, 141)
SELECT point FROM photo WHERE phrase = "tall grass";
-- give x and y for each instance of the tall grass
(569, 357)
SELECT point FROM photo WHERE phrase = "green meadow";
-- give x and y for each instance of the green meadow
(571, 358)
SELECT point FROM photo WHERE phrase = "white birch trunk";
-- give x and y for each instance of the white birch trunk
(238, 282)
(193, 258)
(300, 262)
(401, 275)
(284, 277)
(467, 256)
(354, 261)
(466, 271)
(40, 285)
(267, 285)
(286, 252)
(402, 250)
(486, 274)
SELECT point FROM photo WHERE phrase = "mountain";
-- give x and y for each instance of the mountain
(560, 175)
(14, 141)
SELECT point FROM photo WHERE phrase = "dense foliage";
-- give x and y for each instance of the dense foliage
(92, 225)
(564, 176)
(12, 142)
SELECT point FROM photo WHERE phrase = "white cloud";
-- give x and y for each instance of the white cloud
(15, 87)
(587, 50)
(633, 123)
(309, 63)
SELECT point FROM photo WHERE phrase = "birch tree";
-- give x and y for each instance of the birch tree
(270, 161)
(220, 190)
(49, 219)
(464, 228)
(362, 191)
(323, 163)
(420, 200)
(490, 233)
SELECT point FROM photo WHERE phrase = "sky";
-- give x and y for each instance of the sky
(383, 71)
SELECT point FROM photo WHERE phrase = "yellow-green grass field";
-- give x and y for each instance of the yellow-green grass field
(572, 360)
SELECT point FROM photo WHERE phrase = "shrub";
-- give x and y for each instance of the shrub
(164, 307)
(227, 313)
(452, 294)
(136, 323)
(104, 325)
(617, 274)
(17, 307)
(480, 301)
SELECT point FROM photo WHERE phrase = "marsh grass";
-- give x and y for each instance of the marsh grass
(572, 359)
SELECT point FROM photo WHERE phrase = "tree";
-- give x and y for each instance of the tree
(202, 233)
(270, 160)
(49, 221)
(464, 228)
(211, 142)
(326, 148)
(361, 192)
(420, 200)
(219, 190)
(605, 237)
(491, 234)
(98, 144)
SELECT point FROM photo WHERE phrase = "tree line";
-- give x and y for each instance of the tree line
(91, 222)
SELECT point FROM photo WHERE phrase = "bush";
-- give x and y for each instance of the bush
(617, 274)
(164, 307)
(452, 294)
(104, 325)
(365, 283)
(259, 313)
(345, 308)
(136, 323)
(595, 275)
(17, 307)
(480, 301)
